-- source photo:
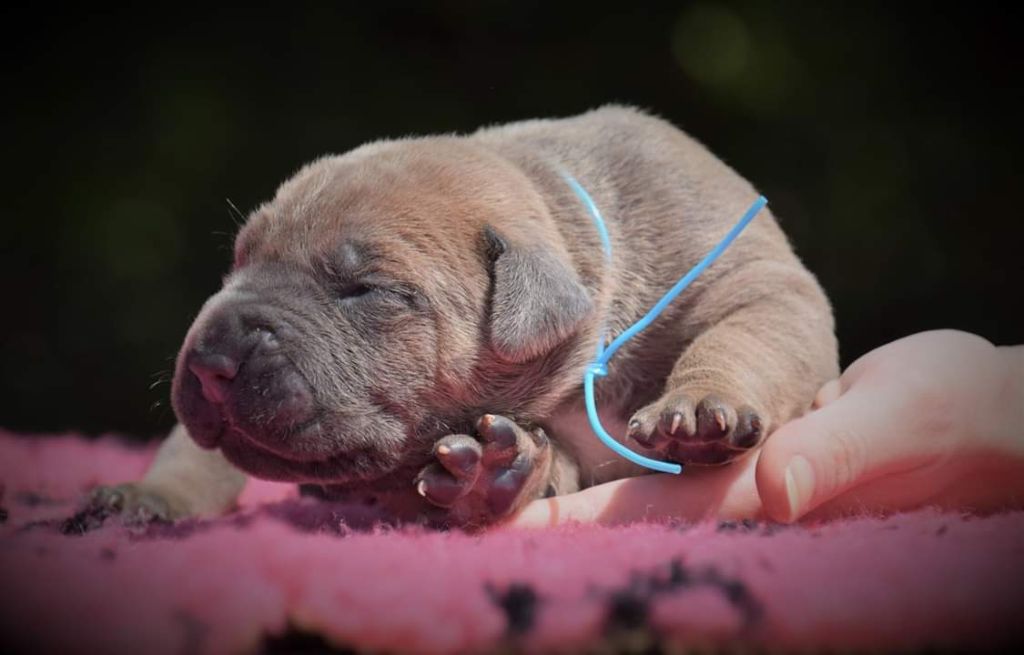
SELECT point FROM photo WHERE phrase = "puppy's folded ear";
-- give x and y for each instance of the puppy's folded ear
(537, 300)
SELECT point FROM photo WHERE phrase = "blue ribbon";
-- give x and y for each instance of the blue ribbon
(599, 367)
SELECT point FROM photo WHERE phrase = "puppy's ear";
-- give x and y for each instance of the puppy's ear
(536, 300)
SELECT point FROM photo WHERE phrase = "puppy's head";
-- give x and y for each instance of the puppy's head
(369, 307)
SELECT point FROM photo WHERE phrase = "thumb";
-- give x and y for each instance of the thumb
(823, 454)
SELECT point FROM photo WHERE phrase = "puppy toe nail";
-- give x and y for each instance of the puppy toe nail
(677, 418)
(443, 489)
(443, 450)
(719, 418)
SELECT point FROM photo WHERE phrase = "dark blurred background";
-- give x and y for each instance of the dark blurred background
(886, 135)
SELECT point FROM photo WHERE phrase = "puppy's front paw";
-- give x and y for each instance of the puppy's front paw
(483, 479)
(709, 430)
(136, 503)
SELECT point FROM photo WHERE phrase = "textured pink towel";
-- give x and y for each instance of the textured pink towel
(286, 574)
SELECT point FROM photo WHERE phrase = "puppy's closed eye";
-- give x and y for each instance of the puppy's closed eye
(363, 291)
(355, 290)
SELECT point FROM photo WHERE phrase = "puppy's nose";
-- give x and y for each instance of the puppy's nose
(222, 346)
(215, 372)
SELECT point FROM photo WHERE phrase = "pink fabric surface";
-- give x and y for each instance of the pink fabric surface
(285, 568)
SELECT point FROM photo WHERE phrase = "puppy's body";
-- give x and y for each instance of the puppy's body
(765, 328)
(416, 316)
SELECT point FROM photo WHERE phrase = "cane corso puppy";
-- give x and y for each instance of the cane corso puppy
(409, 323)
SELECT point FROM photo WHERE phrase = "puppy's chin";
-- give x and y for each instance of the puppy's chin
(257, 460)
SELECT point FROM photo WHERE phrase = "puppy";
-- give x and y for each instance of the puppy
(409, 323)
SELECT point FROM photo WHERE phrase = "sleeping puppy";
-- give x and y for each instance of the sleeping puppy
(408, 324)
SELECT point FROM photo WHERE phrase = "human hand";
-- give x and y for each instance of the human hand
(930, 419)
(721, 492)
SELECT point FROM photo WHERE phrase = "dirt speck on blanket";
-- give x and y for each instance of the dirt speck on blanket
(286, 573)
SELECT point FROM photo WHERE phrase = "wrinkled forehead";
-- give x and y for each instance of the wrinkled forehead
(346, 238)
(360, 219)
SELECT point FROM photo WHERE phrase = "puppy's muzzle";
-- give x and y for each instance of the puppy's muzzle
(234, 374)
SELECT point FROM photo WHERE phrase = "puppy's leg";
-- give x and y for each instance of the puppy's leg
(183, 480)
(483, 479)
(768, 349)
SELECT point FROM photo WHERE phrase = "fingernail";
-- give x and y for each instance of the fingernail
(799, 479)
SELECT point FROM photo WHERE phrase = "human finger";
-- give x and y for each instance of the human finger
(859, 436)
(726, 492)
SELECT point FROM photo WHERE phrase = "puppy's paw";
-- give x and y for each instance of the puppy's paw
(483, 479)
(697, 430)
(136, 503)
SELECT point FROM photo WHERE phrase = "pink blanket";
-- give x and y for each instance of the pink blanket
(285, 574)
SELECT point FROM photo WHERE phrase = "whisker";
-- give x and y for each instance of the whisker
(235, 214)
(160, 377)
